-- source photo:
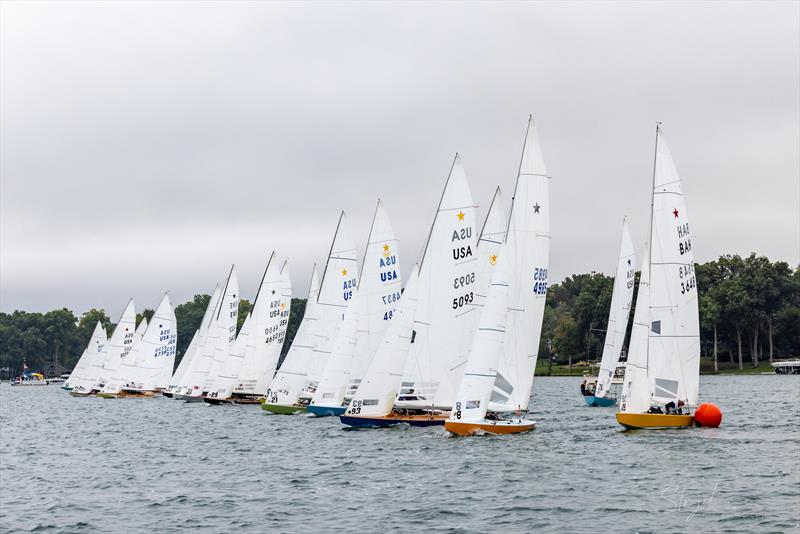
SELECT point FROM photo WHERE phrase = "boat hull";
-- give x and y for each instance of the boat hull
(326, 411)
(187, 398)
(280, 409)
(167, 394)
(392, 420)
(74, 393)
(633, 421)
(66, 388)
(464, 429)
(599, 401)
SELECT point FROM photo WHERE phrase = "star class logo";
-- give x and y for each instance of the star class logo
(629, 262)
(675, 212)
(493, 259)
(460, 215)
(386, 251)
(344, 272)
(536, 207)
(283, 305)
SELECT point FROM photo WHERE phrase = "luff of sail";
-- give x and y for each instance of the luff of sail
(635, 396)
(619, 312)
(528, 243)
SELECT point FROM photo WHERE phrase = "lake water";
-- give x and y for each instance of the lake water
(159, 465)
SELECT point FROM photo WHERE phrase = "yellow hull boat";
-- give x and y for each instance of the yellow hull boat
(653, 420)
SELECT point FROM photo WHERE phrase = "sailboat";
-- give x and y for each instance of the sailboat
(177, 383)
(117, 348)
(148, 366)
(599, 392)
(469, 414)
(217, 344)
(336, 292)
(373, 401)
(371, 309)
(279, 312)
(86, 370)
(256, 349)
(499, 375)
(439, 317)
(291, 376)
(662, 373)
(527, 246)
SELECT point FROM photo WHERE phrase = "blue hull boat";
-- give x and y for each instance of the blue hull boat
(599, 401)
(326, 411)
(392, 420)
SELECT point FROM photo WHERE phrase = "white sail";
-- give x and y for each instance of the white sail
(480, 373)
(493, 235)
(288, 383)
(379, 387)
(528, 244)
(619, 312)
(87, 370)
(275, 334)
(221, 332)
(198, 339)
(118, 346)
(368, 316)
(672, 354)
(674, 337)
(127, 372)
(339, 281)
(635, 396)
(447, 279)
(154, 354)
(252, 356)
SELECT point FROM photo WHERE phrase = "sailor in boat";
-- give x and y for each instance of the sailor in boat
(583, 387)
(674, 409)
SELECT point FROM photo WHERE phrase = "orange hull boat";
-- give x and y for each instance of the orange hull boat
(653, 420)
(489, 427)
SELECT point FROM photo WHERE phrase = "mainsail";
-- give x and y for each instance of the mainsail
(199, 338)
(221, 333)
(378, 389)
(87, 370)
(528, 246)
(339, 282)
(154, 354)
(368, 316)
(447, 278)
(480, 373)
(285, 388)
(118, 346)
(619, 312)
(672, 353)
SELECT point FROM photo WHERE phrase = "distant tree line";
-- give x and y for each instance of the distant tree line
(749, 311)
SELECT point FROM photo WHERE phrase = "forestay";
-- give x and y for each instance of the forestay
(619, 312)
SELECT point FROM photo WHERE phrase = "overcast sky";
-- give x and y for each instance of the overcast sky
(146, 147)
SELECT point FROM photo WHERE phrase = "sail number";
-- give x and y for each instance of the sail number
(686, 274)
(458, 410)
(391, 297)
(355, 409)
(540, 281)
(463, 300)
(461, 281)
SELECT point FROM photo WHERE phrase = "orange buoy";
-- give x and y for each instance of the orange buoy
(708, 414)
